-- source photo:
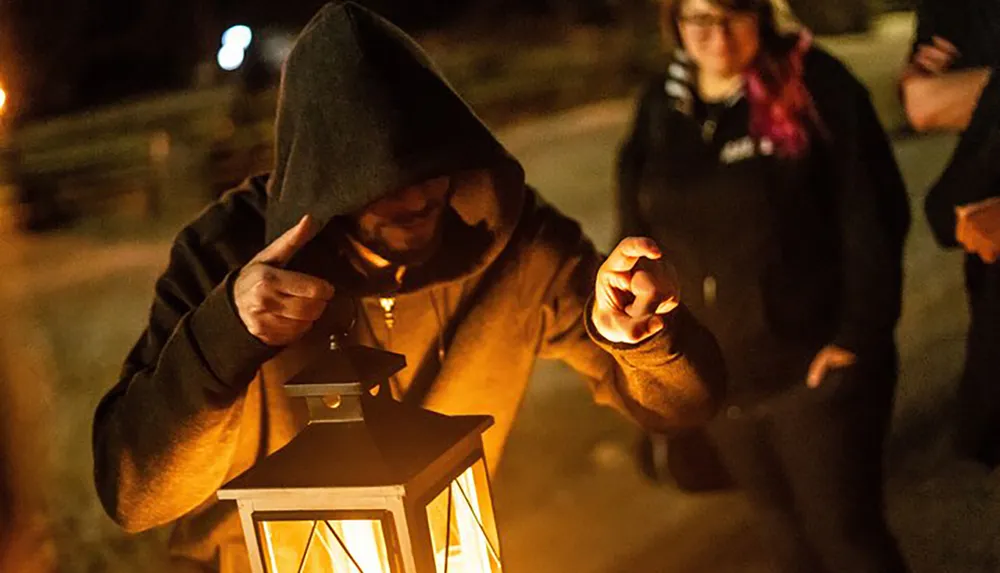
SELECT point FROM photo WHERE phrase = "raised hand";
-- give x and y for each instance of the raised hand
(279, 306)
(634, 288)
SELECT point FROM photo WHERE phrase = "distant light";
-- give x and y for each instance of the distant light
(3, 100)
(230, 57)
(237, 36)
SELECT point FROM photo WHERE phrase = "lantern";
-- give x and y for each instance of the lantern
(371, 485)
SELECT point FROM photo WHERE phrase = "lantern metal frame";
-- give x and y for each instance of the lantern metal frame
(400, 459)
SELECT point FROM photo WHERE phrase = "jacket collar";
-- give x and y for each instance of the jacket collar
(680, 85)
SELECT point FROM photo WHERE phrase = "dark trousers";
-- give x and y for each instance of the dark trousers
(813, 468)
(978, 428)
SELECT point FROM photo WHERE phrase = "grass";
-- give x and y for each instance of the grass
(85, 334)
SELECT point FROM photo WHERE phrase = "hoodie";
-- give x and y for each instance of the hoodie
(362, 112)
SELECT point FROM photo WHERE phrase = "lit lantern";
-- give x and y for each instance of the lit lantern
(371, 485)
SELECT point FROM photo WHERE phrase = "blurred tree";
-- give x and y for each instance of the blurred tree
(140, 46)
(491, 14)
(99, 51)
(34, 48)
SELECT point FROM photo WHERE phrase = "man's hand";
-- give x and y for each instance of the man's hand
(829, 358)
(633, 288)
(278, 306)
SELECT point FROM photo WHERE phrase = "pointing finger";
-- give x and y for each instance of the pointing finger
(630, 251)
(281, 250)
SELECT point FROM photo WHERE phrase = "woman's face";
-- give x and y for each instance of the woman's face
(721, 42)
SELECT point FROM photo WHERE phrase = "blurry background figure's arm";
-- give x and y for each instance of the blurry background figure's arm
(948, 68)
(945, 101)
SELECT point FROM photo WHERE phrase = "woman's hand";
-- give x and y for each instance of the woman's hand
(830, 358)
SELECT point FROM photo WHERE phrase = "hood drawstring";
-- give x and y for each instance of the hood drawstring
(439, 316)
(388, 305)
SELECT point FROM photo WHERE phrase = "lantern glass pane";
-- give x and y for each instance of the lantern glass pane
(324, 545)
(463, 530)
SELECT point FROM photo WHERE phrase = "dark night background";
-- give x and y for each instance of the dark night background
(60, 56)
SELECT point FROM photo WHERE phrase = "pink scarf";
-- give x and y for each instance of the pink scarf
(781, 107)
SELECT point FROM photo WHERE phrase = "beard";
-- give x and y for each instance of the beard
(406, 247)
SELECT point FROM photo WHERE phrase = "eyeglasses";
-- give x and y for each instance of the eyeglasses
(702, 23)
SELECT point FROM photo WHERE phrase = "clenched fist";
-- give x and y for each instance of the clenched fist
(634, 287)
(279, 306)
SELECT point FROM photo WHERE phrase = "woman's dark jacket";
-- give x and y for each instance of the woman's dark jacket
(777, 256)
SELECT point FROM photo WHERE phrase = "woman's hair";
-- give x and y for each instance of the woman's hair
(781, 108)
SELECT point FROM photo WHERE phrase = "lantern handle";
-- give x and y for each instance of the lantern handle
(338, 341)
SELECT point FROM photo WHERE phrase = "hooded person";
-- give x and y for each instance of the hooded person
(388, 197)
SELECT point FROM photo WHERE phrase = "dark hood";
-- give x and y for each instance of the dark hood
(362, 111)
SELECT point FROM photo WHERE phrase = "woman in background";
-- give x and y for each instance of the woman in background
(758, 164)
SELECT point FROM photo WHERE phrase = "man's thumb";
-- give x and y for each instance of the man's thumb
(281, 250)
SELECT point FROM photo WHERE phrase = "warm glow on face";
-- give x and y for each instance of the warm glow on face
(405, 227)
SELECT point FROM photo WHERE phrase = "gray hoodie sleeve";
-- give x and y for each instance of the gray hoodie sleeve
(176, 408)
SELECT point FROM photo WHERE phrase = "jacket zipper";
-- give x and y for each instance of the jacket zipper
(388, 304)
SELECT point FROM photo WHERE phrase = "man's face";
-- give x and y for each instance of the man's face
(405, 227)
